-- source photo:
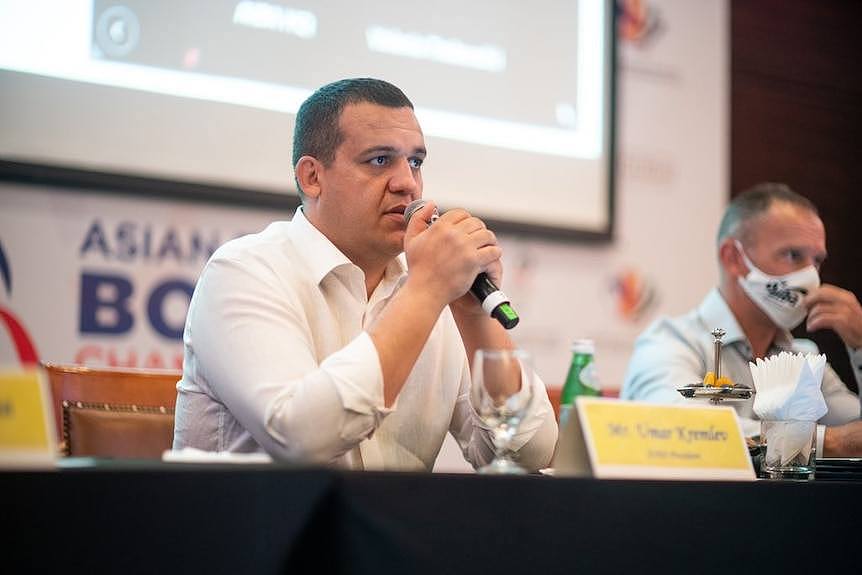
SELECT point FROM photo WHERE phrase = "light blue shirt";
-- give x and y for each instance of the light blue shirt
(677, 351)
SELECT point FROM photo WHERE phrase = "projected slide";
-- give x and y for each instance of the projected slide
(514, 99)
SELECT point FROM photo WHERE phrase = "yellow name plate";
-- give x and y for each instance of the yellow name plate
(608, 438)
(27, 434)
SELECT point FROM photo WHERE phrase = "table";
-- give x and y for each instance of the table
(179, 518)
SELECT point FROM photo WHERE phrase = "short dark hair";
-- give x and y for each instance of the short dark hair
(753, 202)
(316, 132)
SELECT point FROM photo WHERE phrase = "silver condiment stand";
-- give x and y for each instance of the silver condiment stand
(716, 395)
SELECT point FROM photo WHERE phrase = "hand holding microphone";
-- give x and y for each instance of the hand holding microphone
(493, 300)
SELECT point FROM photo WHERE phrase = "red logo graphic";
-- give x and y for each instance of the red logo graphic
(637, 20)
(635, 295)
(22, 341)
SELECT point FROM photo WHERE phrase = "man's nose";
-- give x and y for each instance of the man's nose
(404, 178)
(813, 261)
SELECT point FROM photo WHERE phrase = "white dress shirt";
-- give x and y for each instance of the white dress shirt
(277, 359)
(674, 352)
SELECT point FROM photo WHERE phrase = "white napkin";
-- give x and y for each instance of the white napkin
(193, 455)
(788, 443)
(787, 389)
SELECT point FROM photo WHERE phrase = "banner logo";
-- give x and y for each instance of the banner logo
(25, 350)
(638, 22)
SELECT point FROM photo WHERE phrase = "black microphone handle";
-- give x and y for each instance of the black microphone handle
(494, 301)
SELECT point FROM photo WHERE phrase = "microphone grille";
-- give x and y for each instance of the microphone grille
(412, 208)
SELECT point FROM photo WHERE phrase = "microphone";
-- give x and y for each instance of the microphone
(494, 301)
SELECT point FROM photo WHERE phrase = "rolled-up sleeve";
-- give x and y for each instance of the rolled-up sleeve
(856, 362)
(843, 404)
(534, 442)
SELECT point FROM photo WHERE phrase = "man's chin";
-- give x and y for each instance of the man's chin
(396, 250)
(394, 245)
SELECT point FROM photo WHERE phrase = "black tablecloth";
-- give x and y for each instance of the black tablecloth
(161, 518)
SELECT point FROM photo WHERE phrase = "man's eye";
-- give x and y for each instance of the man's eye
(416, 163)
(793, 255)
(379, 161)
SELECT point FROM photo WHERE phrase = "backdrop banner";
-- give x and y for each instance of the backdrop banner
(104, 280)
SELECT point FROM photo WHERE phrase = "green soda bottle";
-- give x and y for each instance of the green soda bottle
(581, 379)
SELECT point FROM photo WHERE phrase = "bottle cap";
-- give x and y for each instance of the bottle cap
(584, 346)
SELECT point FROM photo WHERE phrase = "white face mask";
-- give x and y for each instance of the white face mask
(780, 297)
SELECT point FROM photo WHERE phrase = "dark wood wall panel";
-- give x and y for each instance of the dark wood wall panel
(796, 117)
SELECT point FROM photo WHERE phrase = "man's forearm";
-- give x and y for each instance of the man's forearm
(479, 330)
(399, 335)
(843, 440)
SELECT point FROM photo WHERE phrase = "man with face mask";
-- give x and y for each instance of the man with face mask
(771, 243)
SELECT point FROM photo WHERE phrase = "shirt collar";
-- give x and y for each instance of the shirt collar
(393, 278)
(714, 312)
(322, 257)
(319, 254)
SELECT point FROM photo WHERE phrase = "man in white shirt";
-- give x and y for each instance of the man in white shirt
(771, 243)
(315, 342)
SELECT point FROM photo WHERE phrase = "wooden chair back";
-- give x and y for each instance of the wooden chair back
(113, 412)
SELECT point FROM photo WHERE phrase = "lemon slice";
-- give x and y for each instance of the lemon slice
(724, 382)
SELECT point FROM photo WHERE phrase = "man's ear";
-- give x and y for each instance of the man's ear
(730, 258)
(308, 172)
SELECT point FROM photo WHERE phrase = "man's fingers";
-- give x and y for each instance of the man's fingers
(420, 218)
(468, 236)
(470, 225)
(827, 293)
(823, 293)
(491, 264)
(831, 307)
(462, 221)
(482, 238)
(469, 228)
(455, 216)
(488, 255)
(824, 307)
(824, 320)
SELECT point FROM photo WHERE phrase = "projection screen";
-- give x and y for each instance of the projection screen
(515, 100)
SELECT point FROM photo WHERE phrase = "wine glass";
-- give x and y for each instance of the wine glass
(501, 392)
